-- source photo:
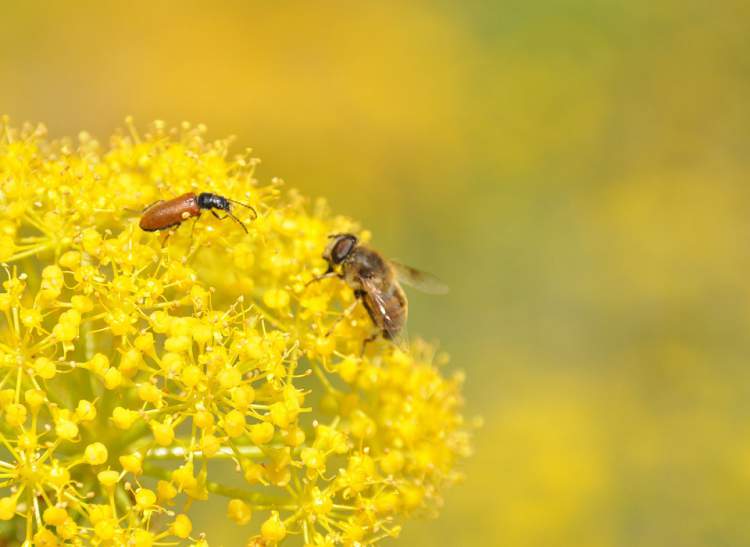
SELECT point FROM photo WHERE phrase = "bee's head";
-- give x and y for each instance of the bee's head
(340, 247)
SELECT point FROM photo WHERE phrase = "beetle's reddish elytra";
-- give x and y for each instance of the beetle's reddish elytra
(166, 214)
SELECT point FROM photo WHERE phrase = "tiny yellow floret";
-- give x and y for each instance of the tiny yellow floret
(95, 454)
(124, 418)
(239, 511)
(132, 463)
(182, 526)
(108, 478)
(145, 498)
(261, 433)
(55, 516)
(7, 507)
(273, 529)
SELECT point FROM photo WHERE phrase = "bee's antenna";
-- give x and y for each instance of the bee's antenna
(255, 213)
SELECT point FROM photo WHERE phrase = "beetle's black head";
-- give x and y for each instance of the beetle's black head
(213, 201)
(340, 247)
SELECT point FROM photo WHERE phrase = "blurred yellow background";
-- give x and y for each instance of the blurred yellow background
(576, 171)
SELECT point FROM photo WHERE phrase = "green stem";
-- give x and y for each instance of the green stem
(178, 453)
(29, 252)
(257, 499)
(133, 434)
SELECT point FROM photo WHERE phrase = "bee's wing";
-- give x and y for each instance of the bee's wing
(418, 279)
(377, 298)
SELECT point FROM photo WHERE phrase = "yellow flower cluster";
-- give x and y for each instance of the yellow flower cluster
(143, 372)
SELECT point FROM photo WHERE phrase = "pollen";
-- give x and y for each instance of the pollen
(135, 365)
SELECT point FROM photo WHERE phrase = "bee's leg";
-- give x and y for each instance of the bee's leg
(329, 273)
(367, 340)
(346, 313)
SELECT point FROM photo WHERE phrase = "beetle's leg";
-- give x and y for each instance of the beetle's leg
(166, 237)
(192, 231)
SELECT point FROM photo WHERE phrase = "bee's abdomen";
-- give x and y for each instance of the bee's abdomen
(395, 307)
(397, 312)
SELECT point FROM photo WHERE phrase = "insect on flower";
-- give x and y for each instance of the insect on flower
(375, 281)
(165, 214)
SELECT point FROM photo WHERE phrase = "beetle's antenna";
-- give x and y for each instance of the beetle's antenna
(255, 213)
(238, 221)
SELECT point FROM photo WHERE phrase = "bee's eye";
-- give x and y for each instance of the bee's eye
(342, 248)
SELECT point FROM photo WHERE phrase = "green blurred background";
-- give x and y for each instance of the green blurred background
(576, 171)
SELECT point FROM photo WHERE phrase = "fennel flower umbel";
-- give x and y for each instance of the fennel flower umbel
(141, 375)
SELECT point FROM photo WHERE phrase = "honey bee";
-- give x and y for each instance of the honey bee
(375, 282)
